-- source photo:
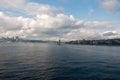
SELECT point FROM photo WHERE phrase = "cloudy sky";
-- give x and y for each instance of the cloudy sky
(67, 19)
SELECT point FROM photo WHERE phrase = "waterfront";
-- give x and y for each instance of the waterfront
(48, 61)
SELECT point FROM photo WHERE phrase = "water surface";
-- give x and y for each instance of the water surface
(48, 61)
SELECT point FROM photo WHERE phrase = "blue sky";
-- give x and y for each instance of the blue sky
(67, 19)
(82, 9)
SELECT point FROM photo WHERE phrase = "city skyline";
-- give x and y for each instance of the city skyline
(67, 19)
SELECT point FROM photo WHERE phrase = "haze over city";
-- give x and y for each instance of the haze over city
(67, 19)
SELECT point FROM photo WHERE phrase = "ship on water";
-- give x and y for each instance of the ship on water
(59, 42)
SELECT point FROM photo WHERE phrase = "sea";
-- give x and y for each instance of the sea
(49, 61)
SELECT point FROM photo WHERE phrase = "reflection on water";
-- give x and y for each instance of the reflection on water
(43, 61)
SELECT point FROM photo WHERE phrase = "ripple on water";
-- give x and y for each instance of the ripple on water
(48, 62)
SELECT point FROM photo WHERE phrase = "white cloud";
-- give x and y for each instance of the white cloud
(98, 24)
(111, 34)
(9, 23)
(12, 3)
(46, 23)
(50, 27)
(83, 34)
(112, 6)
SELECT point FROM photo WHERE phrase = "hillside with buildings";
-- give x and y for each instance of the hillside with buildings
(96, 42)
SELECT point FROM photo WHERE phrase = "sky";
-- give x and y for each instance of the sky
(65, 19)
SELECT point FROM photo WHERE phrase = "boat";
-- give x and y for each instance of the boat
(59, 42)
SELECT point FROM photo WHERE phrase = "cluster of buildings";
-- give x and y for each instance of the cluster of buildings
(78, 42)
(10, 39)
(96, 42)
(17, 39)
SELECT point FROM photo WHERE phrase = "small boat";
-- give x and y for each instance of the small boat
(59, 42)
